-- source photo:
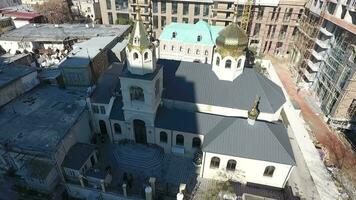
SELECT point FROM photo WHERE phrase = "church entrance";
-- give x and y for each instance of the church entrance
(102, 126)
(140, 131)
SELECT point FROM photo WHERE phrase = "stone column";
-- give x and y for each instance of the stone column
(152, 182)
(81, 180)
(148, 193)
(102, 185)
(124, 189)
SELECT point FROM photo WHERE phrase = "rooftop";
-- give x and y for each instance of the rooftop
(38, 120)
(38, 168)
(197, 83)
(107, 85)
(11, 73)
(188, 33)
(232, 136)
(59, 33)
(21, 15)
(77, 155)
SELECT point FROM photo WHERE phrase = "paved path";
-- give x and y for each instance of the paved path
(321, 178)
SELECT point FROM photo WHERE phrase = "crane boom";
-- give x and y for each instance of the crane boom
(246, 14)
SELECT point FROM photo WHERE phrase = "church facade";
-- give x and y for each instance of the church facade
(226, 113)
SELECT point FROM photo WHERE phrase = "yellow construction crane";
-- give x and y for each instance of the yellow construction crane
(246, 14)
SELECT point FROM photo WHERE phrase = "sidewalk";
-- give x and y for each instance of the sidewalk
(322, 180)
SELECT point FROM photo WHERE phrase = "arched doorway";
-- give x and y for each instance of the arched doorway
(140, 131)
(102, 126)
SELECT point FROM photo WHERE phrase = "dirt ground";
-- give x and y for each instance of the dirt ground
(339, 155)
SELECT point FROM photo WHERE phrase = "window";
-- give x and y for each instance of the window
(185, 20)
(196, 142)
(231, 165)
(135, 56)
(206, 10)
(136, 94)
(239, 63)
(102, 110)
(163, 137)
(111, 20)
(180, 140)
(174, 7)
(185, 8)
(197, 52)
(145, 55)
(199, 38)
(172, 48)
(155, 22)
(117, 128)
(108, 4)
(95, 109)
(155, 7)
(188, 51)
(197, 9)
(163, 21)
(196, 20)
(215, 162)
(174, 19)
(217, 61)
(164, 47)
(180, 48)
(163, 7)
(228, 64)
(269, 171)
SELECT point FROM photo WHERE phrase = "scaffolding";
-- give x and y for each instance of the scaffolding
(246, 14)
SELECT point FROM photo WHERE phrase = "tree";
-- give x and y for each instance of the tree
(55, 11)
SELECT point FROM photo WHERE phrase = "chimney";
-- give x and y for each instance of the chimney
(254, 112)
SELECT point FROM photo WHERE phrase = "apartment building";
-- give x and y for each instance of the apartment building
(273, 22)
(324, 59)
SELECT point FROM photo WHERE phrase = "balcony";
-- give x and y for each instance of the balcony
(230, 10)
(326, 32)
(308, 75)
(323, 43)
(318, 55)
(313, 66)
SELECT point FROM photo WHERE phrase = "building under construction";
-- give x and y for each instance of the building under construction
(270, 23)
(324, 58)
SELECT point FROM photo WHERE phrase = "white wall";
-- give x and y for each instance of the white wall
(252, 170)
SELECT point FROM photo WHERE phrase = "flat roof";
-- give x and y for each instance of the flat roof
(77, 155)
(10, 73)
(52, 32)
(8, 58)
(38, 120)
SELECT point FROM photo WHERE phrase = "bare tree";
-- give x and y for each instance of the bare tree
(56, 11)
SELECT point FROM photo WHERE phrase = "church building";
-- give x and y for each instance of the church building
(228, 112)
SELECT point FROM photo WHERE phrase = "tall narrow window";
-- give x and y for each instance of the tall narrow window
(180, 140)
(196, 142)
(174, 34)
(239, 63)
(117, 128)
(188, 51)
(199, 38)
(269, 170)
(231, 165)
(163, 137)
(206, 52)
(217, 61)
(197, 52)
(145, 55)
(136, 94)
(215, 162)
(228, 64)
(135, 56)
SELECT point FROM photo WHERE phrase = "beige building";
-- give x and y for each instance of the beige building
(324, 60)
(273, 22)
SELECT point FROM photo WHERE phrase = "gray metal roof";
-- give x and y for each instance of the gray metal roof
(38, 120)
(116, 111)
(232, 136)
(11, 73)
(197, 83)
(77, 155)
(108, 83)
(49, 32)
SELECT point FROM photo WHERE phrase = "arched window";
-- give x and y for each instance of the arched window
(135, 56)
(228, 64)
(206, 52)
(215, 162)
(188, 50)
(180, 140)
(231, 165)
(217, 61)
(145, 55)
(199, 38)
(239, 63)
(196, 142)
(163, 137)
(117, 128)
(197, 52)
(164, 47)
(269, 170)
(180, 48)
(136, 94)
(174, 34)
(172, 48)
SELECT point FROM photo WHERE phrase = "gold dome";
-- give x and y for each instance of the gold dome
(232, 40)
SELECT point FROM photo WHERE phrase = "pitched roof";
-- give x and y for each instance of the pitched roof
(231, 136)
(77, 155)
(188, 33)
(197, 83)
